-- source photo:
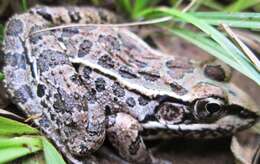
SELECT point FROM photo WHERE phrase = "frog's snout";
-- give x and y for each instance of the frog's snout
(240, 111)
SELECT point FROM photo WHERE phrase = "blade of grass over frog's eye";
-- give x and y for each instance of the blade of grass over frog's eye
(11, 127)
(1, 74)
(139, 5)
(51, 155)
(1, 33)
(212, 4)
(24, 5)
(125, 5)
(230, 49)
(12, 148)
(240, 5)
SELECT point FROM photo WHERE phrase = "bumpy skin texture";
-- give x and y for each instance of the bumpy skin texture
(84, 81)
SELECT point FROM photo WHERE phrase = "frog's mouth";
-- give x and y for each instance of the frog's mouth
(207, 118)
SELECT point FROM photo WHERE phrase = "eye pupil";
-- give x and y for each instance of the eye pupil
(212, 107)
(208, 109)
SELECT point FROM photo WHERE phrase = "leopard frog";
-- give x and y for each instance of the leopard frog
(86, 83)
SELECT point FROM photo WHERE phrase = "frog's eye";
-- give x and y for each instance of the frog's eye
(170, 113)
(208, 109)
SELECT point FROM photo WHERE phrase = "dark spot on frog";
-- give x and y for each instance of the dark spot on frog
(35, 38)
(44, 13)
(76, 66)
(107, 110)
(61, 20)
(134, 146)
(140, 63)
(177, 88)
(130, 101)
(65, 102)
(91, 95)
(50, 58)
(69, 32)
(115, 99)
(44, 104)
(103, 16)
(184, 63)
(118, 90)
(125, 72)
(16, 60)
(149, 76)
(23, 94)
(86, 72)
(74, 15)
(143, 100)
(110, 42)
(44, 122)
(100, 84)
(84, 48)
(231, 92)
(40, 90)
(14, 27)
(215, 72)
(106, 61)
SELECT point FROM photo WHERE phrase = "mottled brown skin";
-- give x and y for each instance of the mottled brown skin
(89, 82)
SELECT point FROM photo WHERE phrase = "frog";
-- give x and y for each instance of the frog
(84, 80)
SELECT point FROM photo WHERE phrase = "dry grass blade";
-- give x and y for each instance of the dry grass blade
(189, 6)
(243, 47)
(251, 39)
(139, 23)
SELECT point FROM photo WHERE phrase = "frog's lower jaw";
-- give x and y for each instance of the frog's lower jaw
(225, 126)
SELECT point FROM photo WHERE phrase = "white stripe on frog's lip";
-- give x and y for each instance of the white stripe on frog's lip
(130, 84)
(158, 125)
(224, 123)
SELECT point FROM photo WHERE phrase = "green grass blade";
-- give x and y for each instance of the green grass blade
(1, 33)
(247, 16)
(11, 127)
(22, 141)
(240, 20)
(51, 155)
(240, 5)
(14, 148)
(230, 49)
(140, 5)
(125, 5)
(234, 23)
(1, 76)
(24, 5)
(212, 4)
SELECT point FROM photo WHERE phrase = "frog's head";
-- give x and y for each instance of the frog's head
(208, 115)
